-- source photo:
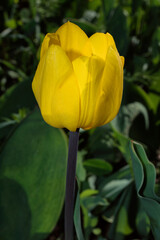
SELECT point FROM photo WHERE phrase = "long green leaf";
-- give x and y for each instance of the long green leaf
(77, 219)
(32, 180)
(144, 175)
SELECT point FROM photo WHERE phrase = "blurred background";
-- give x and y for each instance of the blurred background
(135, 26)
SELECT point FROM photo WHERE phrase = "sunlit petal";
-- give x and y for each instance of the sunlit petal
(110, 96)
(100, 43)
(50, 38)
(56, 89)
(72, 39)
(88, 72)
(111, 42)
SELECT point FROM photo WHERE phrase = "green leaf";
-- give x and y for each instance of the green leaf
(155, 3)
(88, 193)
(142, 221)
(90, 199)
(18, 96)
(154, 90)
(155, 46)
(121, 226)
(7, 123)
(146, 180)
(93, 201)
(127, 114)
(15, 221)
(145, 175)
(112, 189)
(80, 170)
(117, 26)
(113, 185)
(97, 166)
(122, 143)
(97, 231)
(77, 219)
(101, 145)
(108, 6)
(134, 93)
(20, 73)
(32, 172)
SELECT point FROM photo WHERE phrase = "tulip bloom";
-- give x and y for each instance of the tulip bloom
(79, 80)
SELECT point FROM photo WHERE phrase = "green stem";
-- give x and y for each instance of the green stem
(70, 184)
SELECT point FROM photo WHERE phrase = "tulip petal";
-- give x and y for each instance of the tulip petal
(56, 89)
(111, 42)
(123, 60)
(88, 71)
(100, 43)
(50, 38)
(110, 96)
(72, 39)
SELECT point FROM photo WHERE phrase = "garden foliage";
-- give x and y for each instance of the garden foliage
(118, 187)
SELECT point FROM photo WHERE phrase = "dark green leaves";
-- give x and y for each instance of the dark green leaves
(32, 180)
(98, 167)
(145, 176)
(77, 218)
(16, 97)
(117, 182)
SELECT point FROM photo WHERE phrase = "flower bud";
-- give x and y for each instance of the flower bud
(79, 80)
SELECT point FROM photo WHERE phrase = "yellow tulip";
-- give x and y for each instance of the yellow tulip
(79, 80)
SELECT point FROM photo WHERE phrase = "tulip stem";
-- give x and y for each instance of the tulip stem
(70, 184)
